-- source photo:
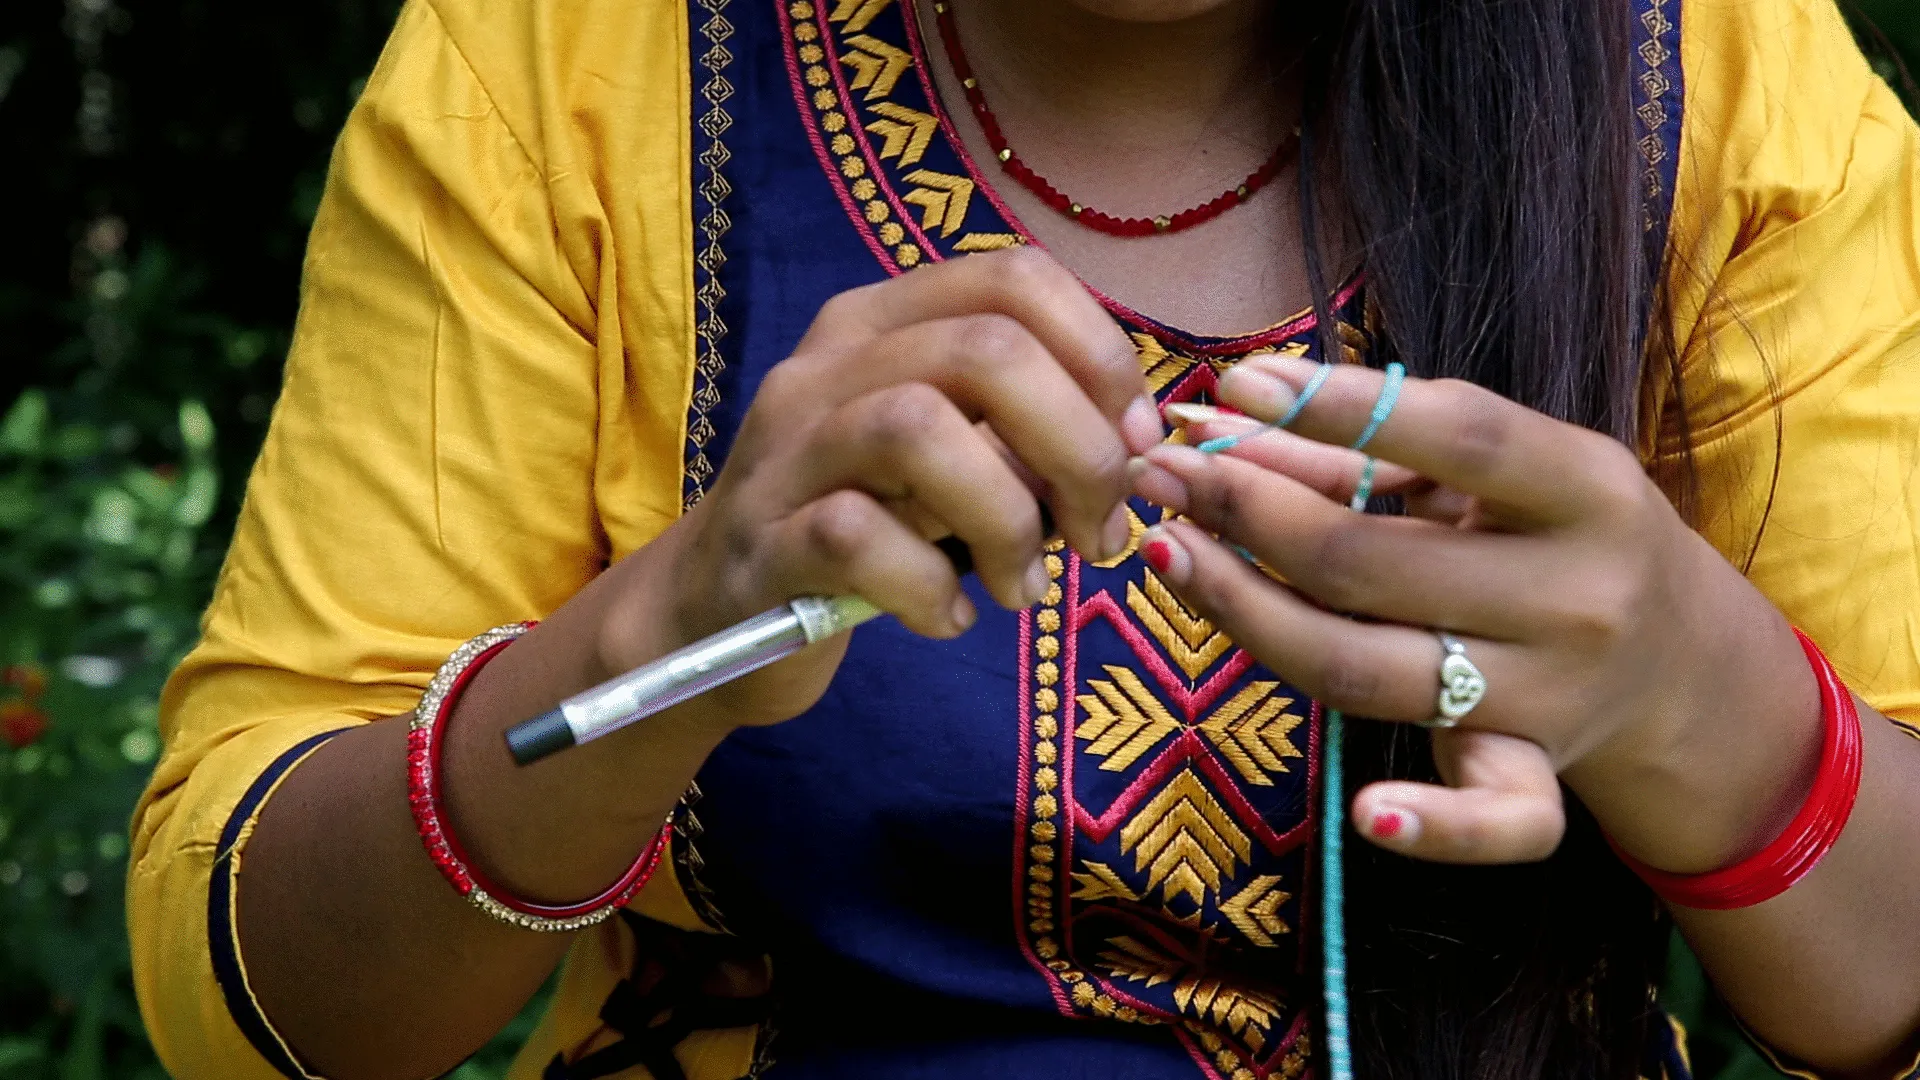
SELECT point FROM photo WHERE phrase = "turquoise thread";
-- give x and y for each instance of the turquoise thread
(1333, 804)
(1228, 442)
(1383, 407)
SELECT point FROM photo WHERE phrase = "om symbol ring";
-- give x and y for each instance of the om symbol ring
(1461, 685)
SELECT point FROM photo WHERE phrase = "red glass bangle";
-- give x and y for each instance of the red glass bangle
(1793, 855)
(449, 857)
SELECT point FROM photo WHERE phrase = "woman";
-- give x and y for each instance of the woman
(639, 318)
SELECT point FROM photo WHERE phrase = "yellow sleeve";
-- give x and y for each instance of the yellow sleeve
(1796, 301)
(483, 405)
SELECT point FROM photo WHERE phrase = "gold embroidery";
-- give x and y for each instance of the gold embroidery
(1160, 364)
(1191, 642)
(943, 198)
(905, 133)
(709, 327)
(1124, 719)
(1246, 1012)
(991, 241)
(1251, 731)
(1185, 840)
(855, 13)
(1252, 911)
(1135, 530)
(876, 65)
(1101, 883)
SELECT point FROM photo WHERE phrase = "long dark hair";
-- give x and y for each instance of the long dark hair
(1484, 156)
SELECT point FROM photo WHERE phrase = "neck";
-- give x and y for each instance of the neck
(1118, 83)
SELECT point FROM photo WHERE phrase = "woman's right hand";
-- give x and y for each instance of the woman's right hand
(952, 400)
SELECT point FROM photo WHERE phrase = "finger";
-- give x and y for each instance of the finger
(1533, 469)
(846, 542)
(1506, 807)
(1378, 670)
(1029, 286)
(993, 369)
(911, 447)
(1443, 505)
(1487, 584)
(1333, 471)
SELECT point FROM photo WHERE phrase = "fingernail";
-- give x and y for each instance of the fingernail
(1395, 826)
(1256, 393)
(1184, 462)
(1157, 485)
(964, 613)
(1115, 535)
(1185, 413)
(1165, 555)
(1141, 426)
(1037, 581)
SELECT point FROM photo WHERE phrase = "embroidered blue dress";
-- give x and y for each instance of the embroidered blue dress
(1074, 842)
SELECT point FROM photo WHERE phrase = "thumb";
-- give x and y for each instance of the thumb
(1504, 805)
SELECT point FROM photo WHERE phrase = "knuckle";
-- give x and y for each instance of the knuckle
(1219, 499)
(1597, 607)
(1349, 679)
(1027, 269)
(1482, 425)
(1620, 483)
(840, 524)
(1341, 575)
(906, 416)
(783, 383)
(990, 340)
(844, 309)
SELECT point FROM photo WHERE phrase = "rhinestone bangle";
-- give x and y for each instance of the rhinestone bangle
(424, 797)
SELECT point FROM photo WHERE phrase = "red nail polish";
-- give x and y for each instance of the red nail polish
(1159, 555)
(1387, 826)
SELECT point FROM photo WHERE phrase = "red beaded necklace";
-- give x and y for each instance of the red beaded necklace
(1086, 215)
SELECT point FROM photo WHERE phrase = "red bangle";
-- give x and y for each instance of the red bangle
(423, 795)
(1793, 855)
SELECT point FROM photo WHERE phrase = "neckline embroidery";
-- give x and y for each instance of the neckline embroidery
(901, 171)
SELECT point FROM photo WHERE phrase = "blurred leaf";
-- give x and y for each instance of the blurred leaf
(25, 427)
(16, 1051)
(196, 427)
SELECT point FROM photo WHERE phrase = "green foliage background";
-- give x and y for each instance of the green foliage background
(159, 168)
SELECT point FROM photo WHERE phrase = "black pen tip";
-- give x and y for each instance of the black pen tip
(542, 736)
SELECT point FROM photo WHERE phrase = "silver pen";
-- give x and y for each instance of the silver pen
(741, 649)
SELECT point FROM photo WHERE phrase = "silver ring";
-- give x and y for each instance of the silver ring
(1461, 685)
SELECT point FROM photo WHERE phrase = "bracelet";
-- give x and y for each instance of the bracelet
(1813, 831)
(423, 795)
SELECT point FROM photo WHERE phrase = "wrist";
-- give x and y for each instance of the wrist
(1719, 768)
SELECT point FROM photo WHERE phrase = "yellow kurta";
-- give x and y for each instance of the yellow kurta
(509, 219)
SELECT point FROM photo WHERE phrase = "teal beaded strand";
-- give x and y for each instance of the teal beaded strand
(1333, 806)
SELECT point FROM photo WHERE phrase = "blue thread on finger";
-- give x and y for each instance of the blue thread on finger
(1307, 392)
(1228, 442)
(1383, 407)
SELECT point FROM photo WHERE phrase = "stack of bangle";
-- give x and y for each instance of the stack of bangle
(1783, 863)
(423, 793)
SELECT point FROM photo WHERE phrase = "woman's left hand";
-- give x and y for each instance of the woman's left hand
(1619, 648)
